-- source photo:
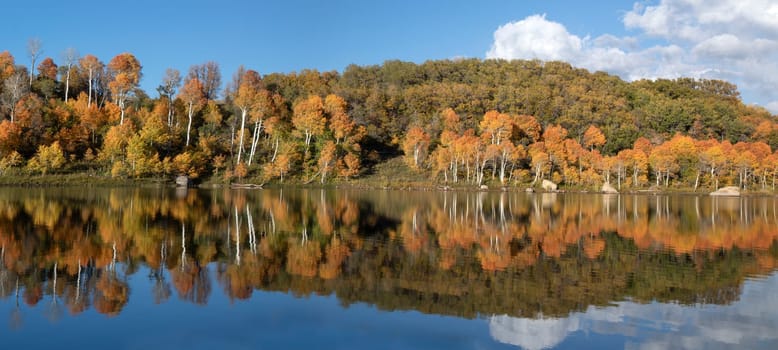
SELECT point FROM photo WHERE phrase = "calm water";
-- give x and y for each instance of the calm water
(288, 268)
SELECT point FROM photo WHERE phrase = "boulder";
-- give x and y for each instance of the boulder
(548, 185)
(608, 188)
(483, 187)
(726, 191)
(183, 181)
(529, 190)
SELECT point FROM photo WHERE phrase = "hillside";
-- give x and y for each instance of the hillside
(466, 121)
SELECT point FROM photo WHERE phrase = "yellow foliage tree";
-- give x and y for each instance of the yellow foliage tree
(47, 158)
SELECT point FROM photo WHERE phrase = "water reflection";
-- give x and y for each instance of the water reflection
(744, 324)
(543, 263)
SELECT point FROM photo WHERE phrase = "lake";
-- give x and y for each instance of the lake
(140, 268)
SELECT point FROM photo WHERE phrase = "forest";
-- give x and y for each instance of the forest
(464, 122)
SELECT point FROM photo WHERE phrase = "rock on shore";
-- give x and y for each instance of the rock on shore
(726, 191)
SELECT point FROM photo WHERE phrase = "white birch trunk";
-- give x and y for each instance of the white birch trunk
(243, 112)
(189, 124)
(255, 139)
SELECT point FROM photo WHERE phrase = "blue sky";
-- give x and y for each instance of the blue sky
(621, 37)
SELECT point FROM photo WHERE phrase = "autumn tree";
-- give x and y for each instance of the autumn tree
(327, 159)
(92, 67)
(712, 159)
(507, 154)
(339, 122)
(47, 69)
(350, 166)
(308, 119)
(593, 138)
(194, 98)
(637, 162)
(415, 146)
(47, 158)
(553, 138)
(282, 163)
(529, 127)
(7, 65)
(89, 116)
(10, 137)
(444, 158)
(496, 127)
(663, 162)
(126, 72)
(46, 83)
(245, 99)
(265, 105)
(114, 146)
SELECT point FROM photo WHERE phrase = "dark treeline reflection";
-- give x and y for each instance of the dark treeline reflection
(464, 254)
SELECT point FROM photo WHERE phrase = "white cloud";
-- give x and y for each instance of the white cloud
(734, 40)
(534, 37)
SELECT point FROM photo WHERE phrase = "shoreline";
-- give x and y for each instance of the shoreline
(90, 180)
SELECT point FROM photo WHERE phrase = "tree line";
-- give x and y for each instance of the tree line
(468, 121)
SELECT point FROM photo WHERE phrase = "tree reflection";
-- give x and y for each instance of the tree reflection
(465, 254)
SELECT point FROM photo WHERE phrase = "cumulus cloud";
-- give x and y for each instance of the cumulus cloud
(734, 40)
(534, 37)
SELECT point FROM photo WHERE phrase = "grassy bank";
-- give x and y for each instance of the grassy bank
(78, 179)
(391, 174)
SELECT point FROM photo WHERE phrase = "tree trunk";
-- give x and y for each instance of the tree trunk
(503, 164)
(275, 151)
(243, 112)
(89, 99)
(237, 237)
(189, 124)
(713, 178)
(183, 245)
(120, 102)
(67, 85)
(455, 170)
(255, 139)
(307, 141)
(169, 111)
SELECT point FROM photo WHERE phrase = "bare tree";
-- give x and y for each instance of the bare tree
(70, 56)
(34, 50)
(13, 91)
(170, 84)
(209, 75)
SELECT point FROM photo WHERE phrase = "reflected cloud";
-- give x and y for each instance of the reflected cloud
(532, 334)
(747, 323)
